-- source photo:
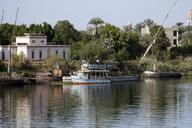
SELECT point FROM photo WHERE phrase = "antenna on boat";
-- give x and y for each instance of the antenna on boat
(13, 34)
(156, 34)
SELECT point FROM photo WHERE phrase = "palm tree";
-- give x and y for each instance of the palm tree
(179, 24)
(187, 38)
(148, 22)
(138, 28)
(128, 28)
(94, 25)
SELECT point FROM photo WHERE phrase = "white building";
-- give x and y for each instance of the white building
(189, 18)
(145, 31)
(173, 35)
(34, 46)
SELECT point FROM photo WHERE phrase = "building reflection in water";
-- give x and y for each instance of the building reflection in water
(95, 100)
(152, 102)
(23, 115)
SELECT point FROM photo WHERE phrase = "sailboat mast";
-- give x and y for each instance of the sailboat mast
(156, 34)
(1, 25)
(2, 19)
(10, 46)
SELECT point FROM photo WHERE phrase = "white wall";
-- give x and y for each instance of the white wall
(33, 41)
(40, 41)
(22, 50)
(4, 49)
(22, 40)
(45, 50)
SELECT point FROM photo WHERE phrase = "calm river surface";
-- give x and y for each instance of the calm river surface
(149, 103)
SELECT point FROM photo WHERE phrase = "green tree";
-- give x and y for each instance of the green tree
(94, 24)
(186, 36)
(48, 31)
(35, 28)
(90, 51)
(85, 36)
(52, 60)
(6, 34)
(161, 42)
(65, 33)
(110, 35)
(21, 29)
(132, 45)
(2, 66)
(20, 62)
(128, 28)
(138, 28)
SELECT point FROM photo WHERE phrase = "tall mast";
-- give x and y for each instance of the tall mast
(10, 46)
(1, 25)
(2, 19)
(156, 34)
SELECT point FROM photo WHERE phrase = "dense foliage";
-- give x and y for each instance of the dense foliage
(108, 43)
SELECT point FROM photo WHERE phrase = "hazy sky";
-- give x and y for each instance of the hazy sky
(79, 12)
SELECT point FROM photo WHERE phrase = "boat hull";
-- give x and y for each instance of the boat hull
(124, 78)
(12, 82)
(67, 79)
(151, 74)
(78, 80)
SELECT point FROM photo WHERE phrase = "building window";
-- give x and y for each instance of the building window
(33, 41)
(63, 54)
(40, 54)
(56, 52)
(42, 41)
(174, 33)
(32, 54)
(175, 42)
(3, 55)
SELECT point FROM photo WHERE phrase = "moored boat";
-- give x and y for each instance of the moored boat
(91, 77)
(92, 74)
(152, 74)
(67, 79)
(12, 82)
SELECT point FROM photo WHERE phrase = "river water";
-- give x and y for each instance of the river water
(149, 103)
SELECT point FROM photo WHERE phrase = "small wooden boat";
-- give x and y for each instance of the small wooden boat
(151, 74)
(12, 82)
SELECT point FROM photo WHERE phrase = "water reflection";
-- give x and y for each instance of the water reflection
(147, 103)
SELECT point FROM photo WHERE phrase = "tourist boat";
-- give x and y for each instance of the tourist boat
(92, 74)
(67, 79)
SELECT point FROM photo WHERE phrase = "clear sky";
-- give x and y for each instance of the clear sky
(79, 12)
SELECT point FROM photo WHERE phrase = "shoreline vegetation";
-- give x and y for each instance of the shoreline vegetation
(107, 43)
